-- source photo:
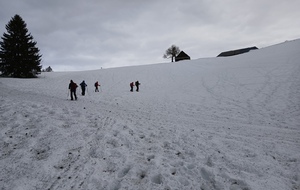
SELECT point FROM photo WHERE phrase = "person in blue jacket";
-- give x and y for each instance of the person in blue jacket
(137, 84)
(83, 86)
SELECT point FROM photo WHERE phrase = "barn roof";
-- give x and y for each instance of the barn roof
(236, 52)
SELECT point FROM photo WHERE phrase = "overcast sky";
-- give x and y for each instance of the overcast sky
(75, 35)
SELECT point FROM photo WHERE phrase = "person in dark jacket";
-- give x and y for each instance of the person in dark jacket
(72, 88)
(96, 86)
(83, 86)
(137, 84)
(131, 86)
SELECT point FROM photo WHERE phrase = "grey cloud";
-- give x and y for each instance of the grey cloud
(76, 35)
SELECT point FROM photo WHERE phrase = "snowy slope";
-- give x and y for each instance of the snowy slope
(214, 123)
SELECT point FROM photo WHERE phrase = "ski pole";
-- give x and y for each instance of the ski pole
(68, 93)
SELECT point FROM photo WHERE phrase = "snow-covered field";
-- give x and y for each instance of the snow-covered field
(215, 123)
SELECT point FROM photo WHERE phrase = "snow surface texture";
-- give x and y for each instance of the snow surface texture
(216, 123)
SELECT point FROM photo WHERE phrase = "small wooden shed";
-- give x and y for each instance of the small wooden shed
(182, 56)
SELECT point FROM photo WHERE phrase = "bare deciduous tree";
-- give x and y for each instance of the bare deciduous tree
(172, 52)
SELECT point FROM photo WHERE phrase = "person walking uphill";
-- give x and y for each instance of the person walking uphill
(96, 86)
(83, 85)
(131, 87)
(72, 87)
(137, 84)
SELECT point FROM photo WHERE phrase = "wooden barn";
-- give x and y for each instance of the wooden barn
(236, 52)
(182, 56)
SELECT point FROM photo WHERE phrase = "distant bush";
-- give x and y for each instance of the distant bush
(48, 69)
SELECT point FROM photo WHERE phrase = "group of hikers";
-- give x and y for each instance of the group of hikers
(73, 86)
(137, 84)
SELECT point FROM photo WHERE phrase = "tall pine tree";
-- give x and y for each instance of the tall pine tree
(18, 52)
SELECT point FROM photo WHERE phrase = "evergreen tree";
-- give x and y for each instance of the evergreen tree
(18, 52)
(172, 52)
